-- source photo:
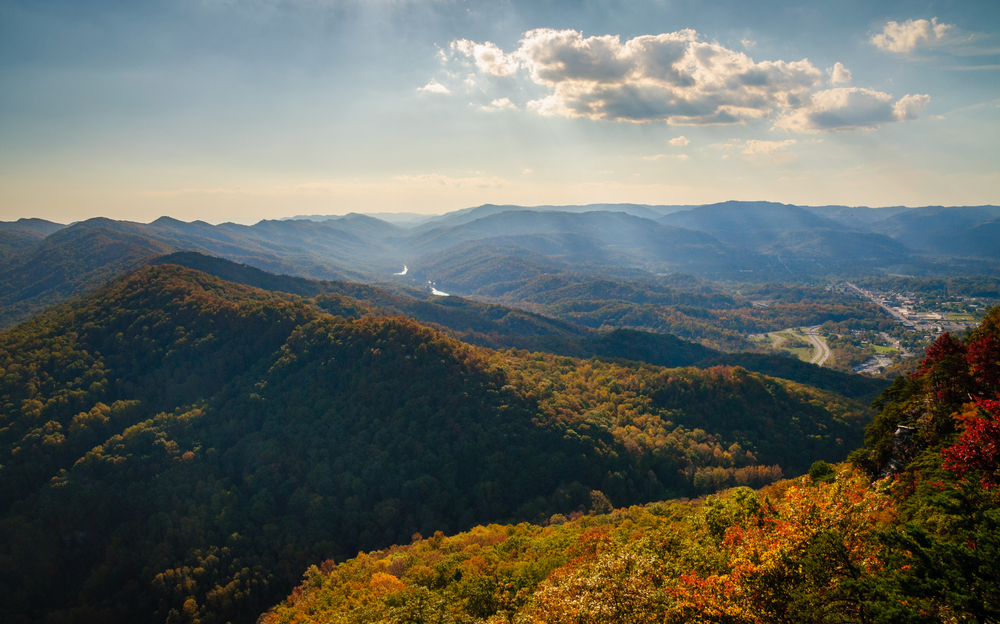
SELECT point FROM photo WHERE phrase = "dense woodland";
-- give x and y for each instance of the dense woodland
(503, 327)
(908, 531)
(180, 444)
(204, 442)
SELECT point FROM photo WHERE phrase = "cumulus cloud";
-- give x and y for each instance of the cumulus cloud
(434, 87)
(910, 35)
(499, 104)
(910, 106)
(672, 77)
(673, 156)
(839, 75)
(487, 56)
(851, 108)
(679, 141)
(767, 147)
(679, 79)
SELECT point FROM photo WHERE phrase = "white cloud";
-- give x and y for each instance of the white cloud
(673, 156)
(679, 141)
(671, 77)
(499, 104)
(488, 57)
(910, 106)
(748, 43)
(839, 75)
(731, 144)
(850, 108)
(681, 80)
(911, 34)
(767, 147)
(527, 171)
(434, 87)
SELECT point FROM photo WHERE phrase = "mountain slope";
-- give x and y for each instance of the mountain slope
(482, 324)
(467, 215)
(966, 231)
(73, 260)
(913, 540)
(804, 240)
(79, 258)
(208, 441)
(41, 227)
(610, 243)
(749, 224)
(499, 326)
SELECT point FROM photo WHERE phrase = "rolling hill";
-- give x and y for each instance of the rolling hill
(502, 327)
(205, 441)
(954, 231)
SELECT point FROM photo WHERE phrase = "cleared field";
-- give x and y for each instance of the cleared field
(805, 354)
(806, 347)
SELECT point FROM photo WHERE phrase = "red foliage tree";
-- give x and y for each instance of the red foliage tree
(946, 367)
(983, 356)
(978, 448)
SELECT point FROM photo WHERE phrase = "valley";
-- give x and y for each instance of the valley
(517, 312)
(217, 409)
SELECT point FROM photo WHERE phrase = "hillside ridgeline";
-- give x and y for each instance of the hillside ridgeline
(204, 442)
(503, 327)
(909, 533)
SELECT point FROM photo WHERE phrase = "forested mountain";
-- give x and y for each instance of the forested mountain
(749, 224)
(81, 257)
(856, 216)
(70, 261)
(884, 235)
(17, 236)
(909, 533)
(613, 238)
(805, 240)
(955, 231)
(40, 227)
(481, 324)
(203, 442)
(467, 215)
(487, 247)
(503, 327)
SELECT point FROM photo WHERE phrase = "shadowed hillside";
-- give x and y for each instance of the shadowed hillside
(224, 437)
(499, 326)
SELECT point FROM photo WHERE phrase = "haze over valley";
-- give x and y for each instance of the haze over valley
(470, 312)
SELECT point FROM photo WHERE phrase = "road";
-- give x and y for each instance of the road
(892, 312)
(822, 351)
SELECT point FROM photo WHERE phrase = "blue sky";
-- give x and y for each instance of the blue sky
(240, 110)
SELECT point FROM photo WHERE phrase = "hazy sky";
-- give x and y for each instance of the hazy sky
(248, 109)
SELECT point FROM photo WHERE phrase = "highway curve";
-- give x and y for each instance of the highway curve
(822, 351)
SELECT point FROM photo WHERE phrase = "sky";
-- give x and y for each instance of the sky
(241, 110)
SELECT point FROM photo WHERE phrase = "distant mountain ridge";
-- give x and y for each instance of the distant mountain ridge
(42, 263)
